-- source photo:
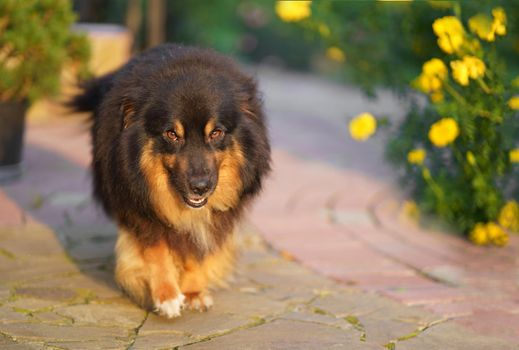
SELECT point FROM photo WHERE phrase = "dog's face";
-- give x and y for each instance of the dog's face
(191, 125)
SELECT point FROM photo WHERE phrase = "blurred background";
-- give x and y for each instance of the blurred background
(382, 42)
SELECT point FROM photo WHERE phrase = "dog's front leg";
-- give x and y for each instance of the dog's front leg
(163, 277)
(194, 283)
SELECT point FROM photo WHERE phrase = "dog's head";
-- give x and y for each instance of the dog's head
(204, 144)
(192, 128)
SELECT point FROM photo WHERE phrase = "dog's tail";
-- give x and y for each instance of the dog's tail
(90, 96)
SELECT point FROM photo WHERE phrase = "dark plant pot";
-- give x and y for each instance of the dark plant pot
(12, 126)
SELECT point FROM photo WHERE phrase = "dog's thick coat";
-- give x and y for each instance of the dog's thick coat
(179, 149)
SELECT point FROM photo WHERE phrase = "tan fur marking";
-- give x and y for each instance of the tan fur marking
(209, 127)
(227, 192)
(178, 128)
(170, 160)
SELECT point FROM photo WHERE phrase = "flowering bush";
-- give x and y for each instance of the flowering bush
(466, 170)
(459, 153)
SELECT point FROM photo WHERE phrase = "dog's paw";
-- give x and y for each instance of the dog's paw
(199, 301)
(171, 307)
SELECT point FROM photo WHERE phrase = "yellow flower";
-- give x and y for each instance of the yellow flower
(478, 235)
(469, 67)
(429, 83)
(335, 54)
(460, 72)
(514, 155)
(509, 216)
(447, 25)
(513, 103)
(450, 33)
(496, 234)
(443, 132)
(435, 67)
(293, 11)
(450, 43)
(470, 158)
(410, 210)
(434, 72)
(481, 25)
(363, 126)
(475, 66)
(416, 156)
(499, 14)
(501, 240)
(499, 24)
(493, 230)
(487, 28)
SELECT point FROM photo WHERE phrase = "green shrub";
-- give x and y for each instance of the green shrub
(36, 41)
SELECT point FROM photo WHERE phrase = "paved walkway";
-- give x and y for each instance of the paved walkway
(329, 205)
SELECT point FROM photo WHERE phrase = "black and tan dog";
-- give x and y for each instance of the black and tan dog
(179, 149)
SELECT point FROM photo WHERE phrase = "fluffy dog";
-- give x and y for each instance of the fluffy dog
(180, 148)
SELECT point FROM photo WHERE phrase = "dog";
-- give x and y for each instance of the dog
(180, 148)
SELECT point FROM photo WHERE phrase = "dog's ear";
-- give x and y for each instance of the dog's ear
(248, 98)
(127, 110)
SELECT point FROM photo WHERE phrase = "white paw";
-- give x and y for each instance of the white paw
(170, 308)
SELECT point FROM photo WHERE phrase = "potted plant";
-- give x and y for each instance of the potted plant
(36, 41)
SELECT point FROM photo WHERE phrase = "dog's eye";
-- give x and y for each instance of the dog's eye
(216, 134)
(170, 134)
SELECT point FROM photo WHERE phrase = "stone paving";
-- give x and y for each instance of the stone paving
(338, 268)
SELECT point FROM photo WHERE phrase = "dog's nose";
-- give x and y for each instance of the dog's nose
(199, 185)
